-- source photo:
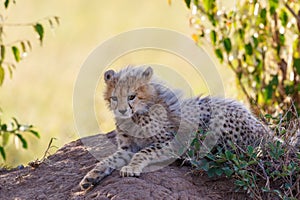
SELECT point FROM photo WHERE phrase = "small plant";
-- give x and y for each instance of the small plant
(38, 162)
(272, 170)
(16, 130)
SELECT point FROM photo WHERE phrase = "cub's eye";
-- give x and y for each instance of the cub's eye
(131, 97)
(114, 98)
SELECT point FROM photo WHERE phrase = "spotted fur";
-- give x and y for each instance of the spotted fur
(153, 120)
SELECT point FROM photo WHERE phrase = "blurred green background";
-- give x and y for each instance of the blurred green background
(40, 92)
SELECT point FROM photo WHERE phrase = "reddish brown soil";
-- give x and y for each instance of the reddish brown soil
(58, 178)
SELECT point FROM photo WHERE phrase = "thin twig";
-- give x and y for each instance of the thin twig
(30, 23)
(48, 148)
(17, 24)
(292, 12)
(261, 165)
(15, 42)
(249, 98)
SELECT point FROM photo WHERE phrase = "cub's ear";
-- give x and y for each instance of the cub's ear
(109, 76)
(147, 74)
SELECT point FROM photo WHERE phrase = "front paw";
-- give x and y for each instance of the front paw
(130, 171)
(94, 177)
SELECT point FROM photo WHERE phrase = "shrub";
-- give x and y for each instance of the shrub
(259, 41)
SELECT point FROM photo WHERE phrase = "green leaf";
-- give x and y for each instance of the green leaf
(213, 37)
(227, 171)
(249, 49)
(35, 133)
(210, 156)
(2, 152)
(268, 92)
(283, 18)
(253, 162)
(239, 75)
(219, 172)
(195, 143)
(227, 45)
(297, 64)
(274, 81)
(24, 142)
(3, 127)
(274, 3)
(5, 138)
(40, 31)
(229, 155)
(6, 3)
(188, 3)
(281, 39)
(212, 19)
(219, 54)
(205, 166)
(240, 183)
(23, 46)
(241, 33)
(208, 5)
(16, 53)
(289, 89)
(1, 75)
(191, 153)
(194, 163)
(263, 14)
(211, 172)
(272, 10)
(250, 150)
(2, 49)
(268, 116)
(255, 41)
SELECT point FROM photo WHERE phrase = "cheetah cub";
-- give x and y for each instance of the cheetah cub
(148, 117)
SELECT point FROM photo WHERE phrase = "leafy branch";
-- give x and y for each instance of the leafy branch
(11, 53)
(17, 130)
(259, 41)
(20, 48)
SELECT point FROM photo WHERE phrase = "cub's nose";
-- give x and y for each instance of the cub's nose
(123, 111)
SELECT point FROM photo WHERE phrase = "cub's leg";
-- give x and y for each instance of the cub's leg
(105, 168)
(157, 152)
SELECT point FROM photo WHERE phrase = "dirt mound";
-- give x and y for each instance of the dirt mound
(59, 175)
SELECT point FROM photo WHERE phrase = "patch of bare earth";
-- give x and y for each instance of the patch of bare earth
(59, 175)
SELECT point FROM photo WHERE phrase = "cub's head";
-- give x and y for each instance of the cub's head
(128, 90)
